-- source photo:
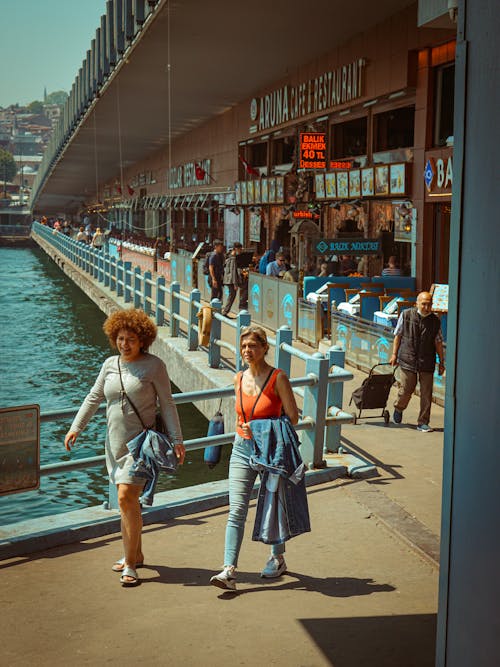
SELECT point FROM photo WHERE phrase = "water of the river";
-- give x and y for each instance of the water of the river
(51, 349)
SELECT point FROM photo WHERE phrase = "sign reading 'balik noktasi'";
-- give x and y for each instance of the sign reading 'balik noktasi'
(328, 90)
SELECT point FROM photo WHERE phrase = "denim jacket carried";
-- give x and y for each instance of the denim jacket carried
(282, 510)
(152, 452)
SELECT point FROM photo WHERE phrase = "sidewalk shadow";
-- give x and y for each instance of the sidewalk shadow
(336, 587)
(378, 641)
(388, 469)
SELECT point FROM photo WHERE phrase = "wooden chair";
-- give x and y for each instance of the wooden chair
(336, 293)
(372, 287)
(403, 305)
(399, 291)
(350, 291)
(384, 299)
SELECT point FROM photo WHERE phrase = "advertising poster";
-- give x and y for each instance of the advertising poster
(331, 185)
(367, 182)
(382, 180)
(319, 180)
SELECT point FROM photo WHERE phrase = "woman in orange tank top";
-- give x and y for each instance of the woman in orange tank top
(261, 392)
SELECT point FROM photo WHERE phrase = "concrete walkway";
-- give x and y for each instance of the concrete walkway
(361, 587)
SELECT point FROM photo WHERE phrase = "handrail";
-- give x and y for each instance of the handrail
(321, 388)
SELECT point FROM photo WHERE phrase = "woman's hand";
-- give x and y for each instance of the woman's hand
(245, 427)
(70, 439)
(180, 452)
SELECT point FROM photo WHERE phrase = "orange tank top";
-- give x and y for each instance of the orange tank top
(268, 404)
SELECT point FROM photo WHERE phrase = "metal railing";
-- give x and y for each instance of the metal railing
(321, 417)
(321, 388)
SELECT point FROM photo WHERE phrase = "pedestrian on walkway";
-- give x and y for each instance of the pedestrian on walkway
(262, 392)
(417, 339)
(233, 277)
(98, 239)
(216, 270)
(146, 381)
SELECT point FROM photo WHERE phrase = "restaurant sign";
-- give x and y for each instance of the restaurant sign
(348, 247)
(438, 175)
(312, 150)
(189, 175)
(326, 91)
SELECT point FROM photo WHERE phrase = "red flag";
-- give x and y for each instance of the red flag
(118, 188)
(130, 190)
(199, 172)
(248, 167)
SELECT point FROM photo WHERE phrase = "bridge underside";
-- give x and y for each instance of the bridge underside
(220, 54)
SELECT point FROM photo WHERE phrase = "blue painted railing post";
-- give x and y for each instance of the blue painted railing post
(86, 264)
(137, 286)
(100, 266)
(315, 407)
(95, 262)
(213, 348)
(107, 270)
(120, 277)
(160, 301)
(127, 279)
(112, 274)
(335, 396)
(146, 288)
(194, 300)
(282, 358)
(243, 319)
(175, 308)
(112, 503)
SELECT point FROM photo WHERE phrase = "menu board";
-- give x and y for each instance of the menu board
(439, 297)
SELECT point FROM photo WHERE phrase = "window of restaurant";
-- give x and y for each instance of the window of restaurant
(349, 139)
(443, 108)
(441, 245)
(283, 150)
(256, 156)
(393, 129)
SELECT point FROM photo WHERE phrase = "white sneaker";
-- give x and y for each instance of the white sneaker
(275, 567)
(225, 579)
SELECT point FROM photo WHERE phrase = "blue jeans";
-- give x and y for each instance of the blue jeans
(241, 481)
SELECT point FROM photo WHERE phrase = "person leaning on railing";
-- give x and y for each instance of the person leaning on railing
(146, 382)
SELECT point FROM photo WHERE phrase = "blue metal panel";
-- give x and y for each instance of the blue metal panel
(118, 26)
(468, 619)
(104, 47)
(110, 52)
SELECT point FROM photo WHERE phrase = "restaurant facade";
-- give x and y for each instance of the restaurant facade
(357, 145)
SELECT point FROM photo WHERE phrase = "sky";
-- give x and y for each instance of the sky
(43, 44)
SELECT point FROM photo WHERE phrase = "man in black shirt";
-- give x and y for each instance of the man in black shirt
(216, 270)
(417, 339)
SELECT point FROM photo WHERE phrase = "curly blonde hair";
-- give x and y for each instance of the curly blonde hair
(132, 319)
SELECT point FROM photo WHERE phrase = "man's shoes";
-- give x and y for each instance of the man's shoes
(424, 428)
(225, 579)
(275, 567)
(397, 416)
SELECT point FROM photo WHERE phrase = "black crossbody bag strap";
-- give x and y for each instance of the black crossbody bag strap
(124, 393)
(258, 396)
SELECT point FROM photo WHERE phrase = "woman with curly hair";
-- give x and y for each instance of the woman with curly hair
(146, 382)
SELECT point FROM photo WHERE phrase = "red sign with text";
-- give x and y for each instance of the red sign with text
(312, 150)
